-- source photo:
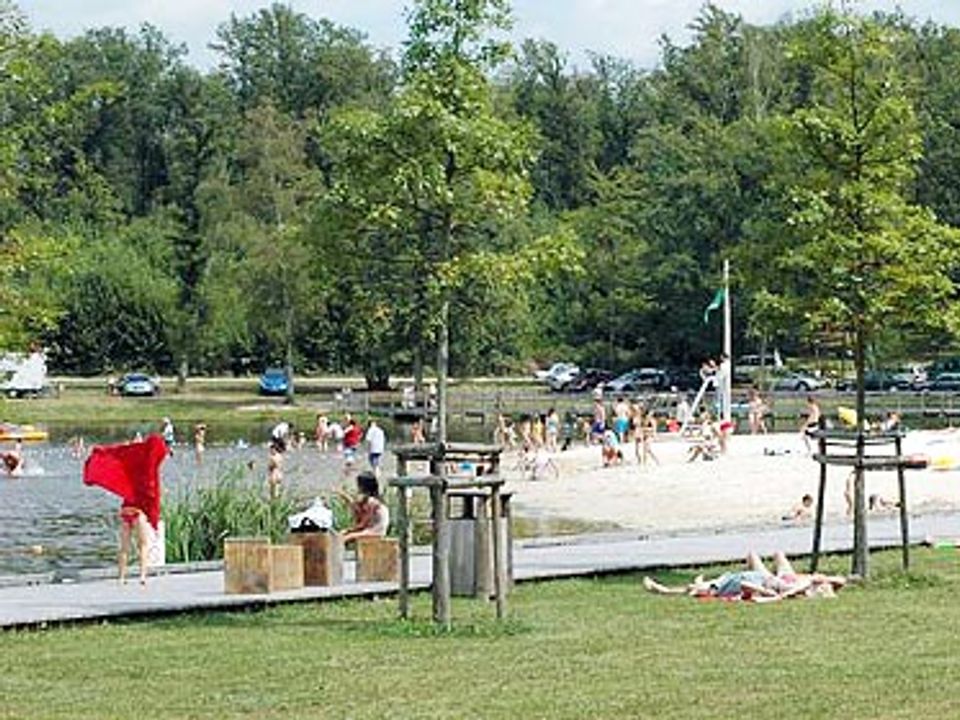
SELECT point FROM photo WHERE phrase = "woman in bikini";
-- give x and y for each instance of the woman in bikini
(132, 519)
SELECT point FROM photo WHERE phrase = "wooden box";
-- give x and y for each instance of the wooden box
(322, 557)
(253, 565)
(378, 560)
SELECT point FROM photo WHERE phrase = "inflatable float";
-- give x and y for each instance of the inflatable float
(27, 433)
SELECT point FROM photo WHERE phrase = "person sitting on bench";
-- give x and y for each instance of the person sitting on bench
(371, 517)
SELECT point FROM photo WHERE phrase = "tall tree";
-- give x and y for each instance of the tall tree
(861, 258)
(255, 215)
(300, 65)
(438, 170)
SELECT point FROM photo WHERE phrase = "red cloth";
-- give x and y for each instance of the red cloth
(130, 470)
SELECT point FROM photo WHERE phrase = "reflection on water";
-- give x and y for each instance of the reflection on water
(49, 520)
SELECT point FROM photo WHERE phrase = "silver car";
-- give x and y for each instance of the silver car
(797, 382)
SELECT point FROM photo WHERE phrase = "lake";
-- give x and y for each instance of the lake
(50, 520)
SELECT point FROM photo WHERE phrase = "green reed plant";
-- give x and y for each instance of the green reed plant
(197, 519)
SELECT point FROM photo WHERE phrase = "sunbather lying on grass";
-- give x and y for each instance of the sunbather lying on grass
(756, 583)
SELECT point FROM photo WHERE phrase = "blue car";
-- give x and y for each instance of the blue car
(274, 382)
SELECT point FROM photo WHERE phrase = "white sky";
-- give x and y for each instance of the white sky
(624, 28)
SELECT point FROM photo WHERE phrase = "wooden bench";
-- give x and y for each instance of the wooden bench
(322, 557)
(253, 565)
(378, 560)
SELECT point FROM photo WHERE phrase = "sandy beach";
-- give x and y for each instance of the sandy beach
(754, 485)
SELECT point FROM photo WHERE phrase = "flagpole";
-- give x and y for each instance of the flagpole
(727, 389)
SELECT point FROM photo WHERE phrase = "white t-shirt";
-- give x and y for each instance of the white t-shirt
(280, 431)
(376, 440)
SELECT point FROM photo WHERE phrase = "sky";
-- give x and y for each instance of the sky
(627, 29)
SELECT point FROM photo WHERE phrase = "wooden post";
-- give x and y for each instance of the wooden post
(403, 525)
(904, 527)
(821, 493)
(498, 576)
(405, 537)
(483, 582)
(441, 556)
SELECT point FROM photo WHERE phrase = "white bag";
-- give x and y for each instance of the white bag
(316, 517)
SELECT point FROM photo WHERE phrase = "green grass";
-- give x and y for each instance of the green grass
(574, 649)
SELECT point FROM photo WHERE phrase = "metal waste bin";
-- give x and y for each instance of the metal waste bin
(471, 542)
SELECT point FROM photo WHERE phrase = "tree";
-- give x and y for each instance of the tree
(438, 170)
(564, 108)
(300, 65)
(255, 238)
(861, 257)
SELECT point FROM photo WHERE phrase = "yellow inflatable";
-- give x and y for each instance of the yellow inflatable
(27, 433)
(944, 462)
(848, 416)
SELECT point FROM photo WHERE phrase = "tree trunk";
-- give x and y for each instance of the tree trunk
(288, 369)
(860, 548)
(443, 363)
(183, 368)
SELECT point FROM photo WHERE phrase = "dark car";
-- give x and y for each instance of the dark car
(640, 380)
(684, 379)
(946, 381)
(589, 379)
(138, 385)
(877, 380)
(274, 381)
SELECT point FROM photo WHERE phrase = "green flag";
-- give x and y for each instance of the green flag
(715, 304)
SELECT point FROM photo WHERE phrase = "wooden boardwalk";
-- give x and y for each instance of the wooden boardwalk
(52, 603)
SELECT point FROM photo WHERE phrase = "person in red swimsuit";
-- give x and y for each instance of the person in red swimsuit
(132, 519)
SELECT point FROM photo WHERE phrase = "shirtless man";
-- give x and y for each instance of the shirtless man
(811, 421)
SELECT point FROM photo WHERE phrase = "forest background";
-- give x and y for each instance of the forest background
(316, 201)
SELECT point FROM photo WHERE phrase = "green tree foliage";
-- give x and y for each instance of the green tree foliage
(300, 65)
(430, 180)
(863, 258)
(119, 302)
(258, 286)
(314, 201)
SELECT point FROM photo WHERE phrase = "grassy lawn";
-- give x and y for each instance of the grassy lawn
(572, 649)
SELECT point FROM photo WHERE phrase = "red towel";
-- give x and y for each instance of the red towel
(130, 470)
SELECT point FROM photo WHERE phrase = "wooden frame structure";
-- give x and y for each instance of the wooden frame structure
(831, 440)
(486, 459)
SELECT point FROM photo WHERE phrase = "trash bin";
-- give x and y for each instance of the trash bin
(471, 542)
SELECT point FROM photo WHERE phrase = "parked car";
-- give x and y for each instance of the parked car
(138, 385)
(557, 367)
(559, 380)
(589, 379)
(797, 382)
(274, 381)
(946, 381)
(639, 380)
(684, 379)
(878, 380)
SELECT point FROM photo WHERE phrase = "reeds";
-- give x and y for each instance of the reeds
(197, 519)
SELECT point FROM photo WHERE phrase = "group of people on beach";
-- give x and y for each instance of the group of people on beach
(540, 437)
